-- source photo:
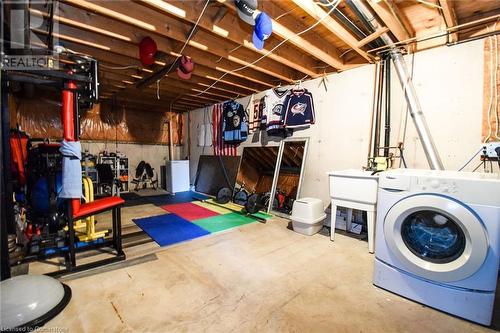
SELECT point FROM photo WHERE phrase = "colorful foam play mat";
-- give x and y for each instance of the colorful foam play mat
(184, 221)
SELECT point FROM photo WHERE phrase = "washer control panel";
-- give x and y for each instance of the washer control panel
(445, 186)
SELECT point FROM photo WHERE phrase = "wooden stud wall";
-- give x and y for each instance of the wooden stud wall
(487, 95)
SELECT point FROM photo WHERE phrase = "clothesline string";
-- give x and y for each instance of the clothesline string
(270, 51)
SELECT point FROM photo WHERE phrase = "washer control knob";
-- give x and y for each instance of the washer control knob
(435, 183)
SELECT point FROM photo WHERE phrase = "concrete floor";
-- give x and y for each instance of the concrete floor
(257, 278)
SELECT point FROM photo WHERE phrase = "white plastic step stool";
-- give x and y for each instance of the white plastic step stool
(354, 189)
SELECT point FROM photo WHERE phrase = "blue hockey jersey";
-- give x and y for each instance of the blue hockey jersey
(299, 106)
(234, 123)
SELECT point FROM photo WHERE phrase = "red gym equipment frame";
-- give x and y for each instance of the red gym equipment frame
(76, 210)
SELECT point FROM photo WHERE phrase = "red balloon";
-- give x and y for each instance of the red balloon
(147, 51)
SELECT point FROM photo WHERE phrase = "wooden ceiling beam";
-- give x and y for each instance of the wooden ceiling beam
(368, 39)
(170, 91)
(389, 14)
(145, 98)
(206, 72)
(201, 76)
(165, 85)
(264, 157)
(450, 18)
(401, 16)
(327, 54)
(231, 28)
(252, 161)
(150, 96)
(317, 12)
(252, 77)
(203, 45)
(137, 105)
(196, 81)
(140, 108)
(271, 158)
(487, 24)
(294, 161)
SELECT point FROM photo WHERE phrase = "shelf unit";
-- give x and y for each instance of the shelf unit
(89, 162)
(119, 166)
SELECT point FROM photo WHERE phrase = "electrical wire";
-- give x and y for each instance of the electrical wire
(345, 52)
(325, 4)
(354, 26)
(286, 13)
(183, 47)
(274, 48)
(470, 160)
(229, 52)
(482, 163)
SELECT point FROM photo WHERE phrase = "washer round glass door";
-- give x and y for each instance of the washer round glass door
(436, 237)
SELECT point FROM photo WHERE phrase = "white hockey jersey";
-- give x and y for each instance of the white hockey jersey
(274, 111)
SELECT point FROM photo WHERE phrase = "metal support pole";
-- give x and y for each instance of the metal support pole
(387, 115)
(416, 113)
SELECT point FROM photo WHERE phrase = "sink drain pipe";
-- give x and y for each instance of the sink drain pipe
(404, 78)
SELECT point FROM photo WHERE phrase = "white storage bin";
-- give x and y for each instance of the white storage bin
(307, 216)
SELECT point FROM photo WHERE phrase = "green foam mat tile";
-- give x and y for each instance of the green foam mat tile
(223, 222)
(262, 215)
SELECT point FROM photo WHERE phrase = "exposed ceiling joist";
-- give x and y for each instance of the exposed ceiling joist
(132, 75)
(450, 18)
(197, 79)
(168, 90)
(368, 39)
(327, 55)
(120, 47)
(317, 12)
(392, 21)
(177, 31)
(231, 28)
(149, 96)
(138, 105)
(177, 86)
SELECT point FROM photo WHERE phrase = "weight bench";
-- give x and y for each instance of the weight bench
(75, 209)
(85, 210)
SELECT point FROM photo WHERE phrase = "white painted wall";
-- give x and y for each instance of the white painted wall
(449, 83)
(156, 155)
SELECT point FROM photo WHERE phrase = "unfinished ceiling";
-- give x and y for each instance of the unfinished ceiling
(110, 31)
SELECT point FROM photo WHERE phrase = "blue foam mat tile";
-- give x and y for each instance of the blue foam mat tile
(168, 229)
(179, 197)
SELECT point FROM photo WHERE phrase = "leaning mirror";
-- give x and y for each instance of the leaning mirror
(256, 174)
(288, 175)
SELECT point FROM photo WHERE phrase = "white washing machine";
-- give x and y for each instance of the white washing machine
(438, 239)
